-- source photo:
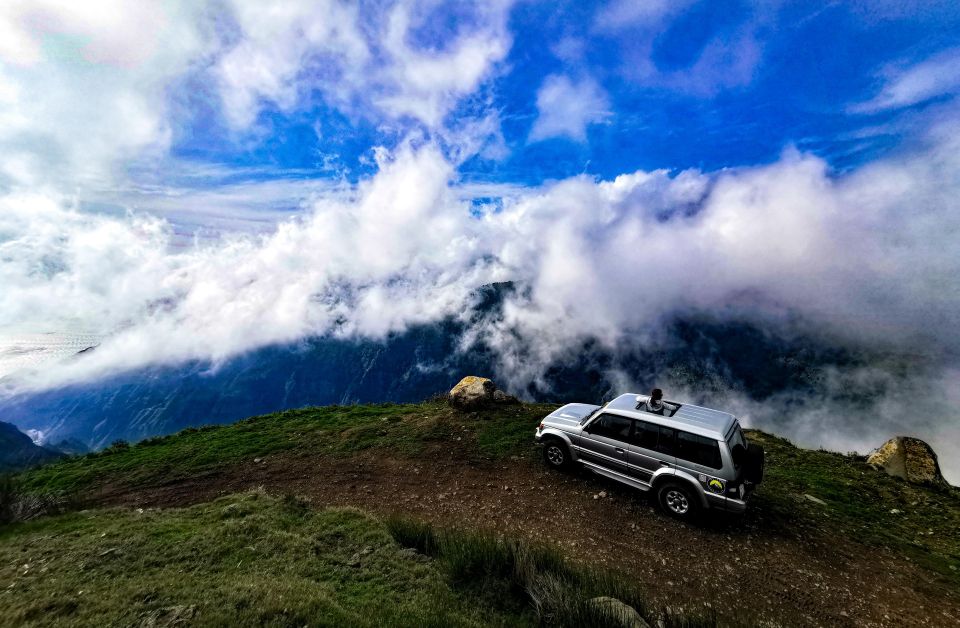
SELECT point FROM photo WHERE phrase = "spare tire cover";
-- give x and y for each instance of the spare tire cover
(754, 467)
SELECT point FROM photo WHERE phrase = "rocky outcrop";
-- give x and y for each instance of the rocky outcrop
(474, 392)
(908, 458)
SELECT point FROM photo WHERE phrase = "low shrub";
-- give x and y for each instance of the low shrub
(116, 446)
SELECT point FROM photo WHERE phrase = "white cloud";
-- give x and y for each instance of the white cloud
(81, 85)
(727, 59)
(906, 85)
(620, 14)
(565, 108)
(356, 62)
(868, 257)
(277, 43)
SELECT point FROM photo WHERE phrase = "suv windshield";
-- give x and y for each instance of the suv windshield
(584, 420)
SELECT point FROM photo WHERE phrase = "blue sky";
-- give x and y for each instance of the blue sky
(706, 86)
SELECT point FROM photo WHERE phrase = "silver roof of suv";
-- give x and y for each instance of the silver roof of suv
(696, 419)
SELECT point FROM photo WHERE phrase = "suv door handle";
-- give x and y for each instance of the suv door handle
(619, 450)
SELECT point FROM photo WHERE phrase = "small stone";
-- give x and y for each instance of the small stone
(257, 460)
(618, 613)
(894, 511)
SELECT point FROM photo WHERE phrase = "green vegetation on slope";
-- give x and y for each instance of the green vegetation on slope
(240, 560)
(252, 559)
(860, 502)
(330, 430)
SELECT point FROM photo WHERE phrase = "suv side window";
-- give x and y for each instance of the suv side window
(666, 442)
(645, 435)
(698, 450)
(611, 426)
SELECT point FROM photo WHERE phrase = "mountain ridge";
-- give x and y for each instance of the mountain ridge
(18, 451)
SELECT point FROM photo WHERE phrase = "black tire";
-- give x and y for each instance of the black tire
(753, 471)
(678, 500)
(556, 454)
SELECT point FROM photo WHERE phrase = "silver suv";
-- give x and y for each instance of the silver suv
(691, 458)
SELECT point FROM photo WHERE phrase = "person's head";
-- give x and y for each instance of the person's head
(656, 394)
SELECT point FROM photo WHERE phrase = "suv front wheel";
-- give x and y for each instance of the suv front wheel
(678, 500)
(556, 455)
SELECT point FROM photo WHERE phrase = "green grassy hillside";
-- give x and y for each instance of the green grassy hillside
(343, 566)
(251, 559)
(858, 497)
(243, 560)
(401, 429)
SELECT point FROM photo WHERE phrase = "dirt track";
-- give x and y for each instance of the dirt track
(784, 575)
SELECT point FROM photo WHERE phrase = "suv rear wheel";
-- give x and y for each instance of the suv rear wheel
(677, 500)
(556, 455)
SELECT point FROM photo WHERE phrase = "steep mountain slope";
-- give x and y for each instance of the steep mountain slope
(17, 451)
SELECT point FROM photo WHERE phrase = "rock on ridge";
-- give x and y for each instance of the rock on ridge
(474, 392)
(909, 458)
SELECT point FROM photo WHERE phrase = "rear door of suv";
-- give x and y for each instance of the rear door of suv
(651, 447)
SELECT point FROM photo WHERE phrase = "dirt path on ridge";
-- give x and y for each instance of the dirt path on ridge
(783, 575)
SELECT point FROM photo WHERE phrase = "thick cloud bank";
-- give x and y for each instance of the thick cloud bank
(866, 259)
(869, 257)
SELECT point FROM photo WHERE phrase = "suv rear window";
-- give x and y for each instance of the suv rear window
(698, 450)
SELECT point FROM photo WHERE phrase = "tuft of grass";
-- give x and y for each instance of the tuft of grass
(524, 577)
(412, 533)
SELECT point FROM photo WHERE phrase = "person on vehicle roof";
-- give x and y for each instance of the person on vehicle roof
(656, 405)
